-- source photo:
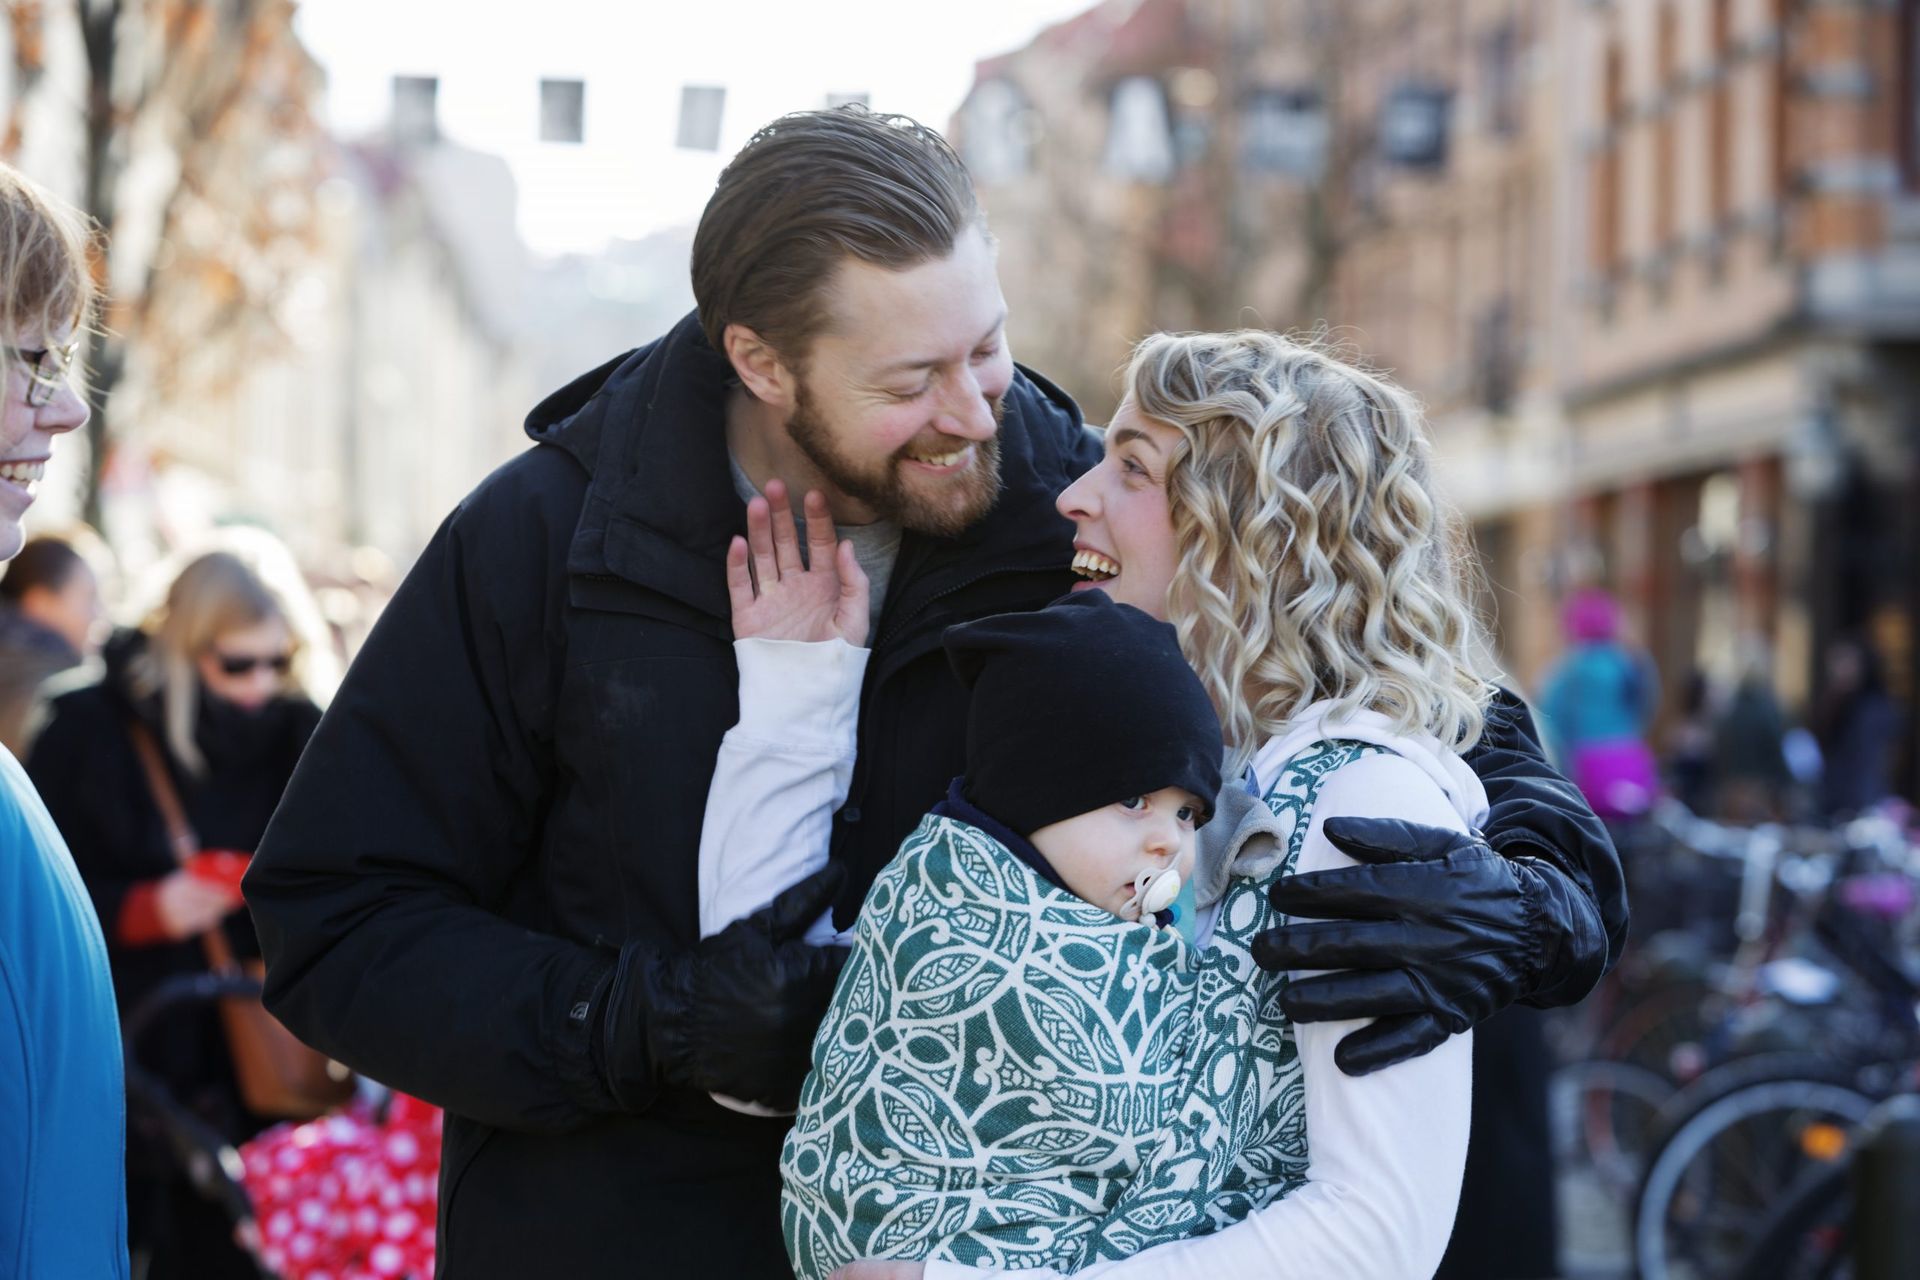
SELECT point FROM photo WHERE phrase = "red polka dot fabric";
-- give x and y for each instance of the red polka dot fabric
(350, 1196)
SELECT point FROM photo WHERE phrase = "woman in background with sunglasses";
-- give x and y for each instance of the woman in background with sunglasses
(211, 692)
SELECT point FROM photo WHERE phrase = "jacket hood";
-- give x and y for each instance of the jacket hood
(648, 427)
(1448, 771)
(557, 420)
(1246, 838)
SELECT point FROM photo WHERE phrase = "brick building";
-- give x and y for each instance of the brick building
(1737, 343)
(1654, 265)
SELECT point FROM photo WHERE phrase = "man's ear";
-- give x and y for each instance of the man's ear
(759, 367)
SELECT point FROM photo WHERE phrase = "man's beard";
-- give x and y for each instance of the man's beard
(942, 507)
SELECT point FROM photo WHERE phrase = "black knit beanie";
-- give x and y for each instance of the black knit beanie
(1076, 706)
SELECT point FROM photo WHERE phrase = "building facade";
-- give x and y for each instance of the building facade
(1653, 265)
(1736, 345)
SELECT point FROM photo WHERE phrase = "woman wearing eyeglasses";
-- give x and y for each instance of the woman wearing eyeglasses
(210, 691)
(62, 1119)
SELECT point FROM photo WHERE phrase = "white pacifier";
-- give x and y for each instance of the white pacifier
(1154, 892)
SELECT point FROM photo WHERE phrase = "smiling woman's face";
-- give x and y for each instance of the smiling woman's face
(1123, 528)
(27, 432)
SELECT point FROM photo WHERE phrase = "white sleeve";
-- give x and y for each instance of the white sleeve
(1385, 1151)
(782, 772)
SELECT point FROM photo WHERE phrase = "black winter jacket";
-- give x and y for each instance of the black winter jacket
(511, 782)
(85, 768)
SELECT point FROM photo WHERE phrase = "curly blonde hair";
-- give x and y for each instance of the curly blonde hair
(1314, 560)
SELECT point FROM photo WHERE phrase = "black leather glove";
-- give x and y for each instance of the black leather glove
(735, 1015)
(1433, 933)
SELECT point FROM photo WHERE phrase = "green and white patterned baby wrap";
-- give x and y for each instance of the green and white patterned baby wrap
(1011, 1077)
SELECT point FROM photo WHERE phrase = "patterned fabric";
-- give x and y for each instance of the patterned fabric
(1238, 1140)
(1010, 1077)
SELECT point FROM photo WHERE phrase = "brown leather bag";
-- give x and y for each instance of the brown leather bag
(279, 1076)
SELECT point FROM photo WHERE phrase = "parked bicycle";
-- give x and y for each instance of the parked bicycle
(1732, 1051)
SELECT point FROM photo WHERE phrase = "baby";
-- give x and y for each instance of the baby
(1093, 753)
(1007, 1037)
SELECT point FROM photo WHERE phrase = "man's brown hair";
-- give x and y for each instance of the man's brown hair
(807, 191)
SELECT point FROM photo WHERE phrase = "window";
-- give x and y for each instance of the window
(701, 107)
(1495, 357)
(1139, 131)
(1500, 81)
(1604, 190)
(1720, 118)
(1782, 96)
(1665, 188)
(1192, 92)
(996, 132)
(415, 109)
(1413, 126)
(1284, 131)
(563, 110)
(1909, 90)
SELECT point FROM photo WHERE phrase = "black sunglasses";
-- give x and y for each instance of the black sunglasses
(243, 664)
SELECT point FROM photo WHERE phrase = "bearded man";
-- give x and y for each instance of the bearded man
(482, 886)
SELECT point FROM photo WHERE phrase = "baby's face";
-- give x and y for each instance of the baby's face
(1101, 854)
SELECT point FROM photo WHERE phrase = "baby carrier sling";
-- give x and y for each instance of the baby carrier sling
(1011, 1077)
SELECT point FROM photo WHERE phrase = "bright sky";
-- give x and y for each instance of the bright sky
(627, 178)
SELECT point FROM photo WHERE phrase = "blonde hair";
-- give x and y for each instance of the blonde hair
(46, 284)
(1314, 560)
(218, 592)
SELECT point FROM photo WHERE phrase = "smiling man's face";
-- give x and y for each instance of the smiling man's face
(900, 397)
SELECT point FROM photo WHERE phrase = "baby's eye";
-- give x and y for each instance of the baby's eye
(1189, 814)
(1134, 802)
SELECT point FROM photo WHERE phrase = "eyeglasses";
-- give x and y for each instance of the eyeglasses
(47, 368)
(241, 664)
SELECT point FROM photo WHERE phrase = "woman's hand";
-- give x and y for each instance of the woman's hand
(774, 596)
(898, 1270)
(188, 905)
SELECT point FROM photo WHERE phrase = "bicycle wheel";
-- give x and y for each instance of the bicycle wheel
(1664, 1030)
(1602, 1115)
(1688, 1100)
(1810, 1236)
(1713, 1183)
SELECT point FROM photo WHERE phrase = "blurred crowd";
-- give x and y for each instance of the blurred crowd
(1727, 749)
(210, 694)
